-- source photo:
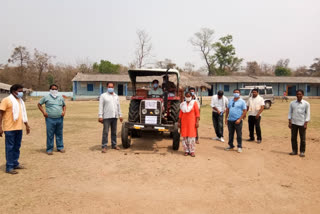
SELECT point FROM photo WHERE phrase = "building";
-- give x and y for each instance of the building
(310, 85)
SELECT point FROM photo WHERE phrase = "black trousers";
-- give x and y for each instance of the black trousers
(253, 122)
(218, 124)
(294, 134)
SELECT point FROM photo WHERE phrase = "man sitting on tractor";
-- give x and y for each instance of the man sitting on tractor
(171, 86)
(155, 90)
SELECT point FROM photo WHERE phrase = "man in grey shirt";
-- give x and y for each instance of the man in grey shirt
(299, 116)
(109, 112)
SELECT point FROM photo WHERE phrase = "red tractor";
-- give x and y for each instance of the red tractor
(149, 112)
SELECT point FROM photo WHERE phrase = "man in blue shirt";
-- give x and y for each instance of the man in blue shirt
(235, 112)
(54, 114)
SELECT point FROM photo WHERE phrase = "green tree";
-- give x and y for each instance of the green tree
(225, 56)
(282, 71)
(106, 67)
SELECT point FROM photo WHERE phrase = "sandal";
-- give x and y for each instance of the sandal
(186, 153)
(192, 154)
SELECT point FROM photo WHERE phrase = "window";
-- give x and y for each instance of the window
(226, 88)
(308, 88)
(245, 92)
(262, 91)
(269, 91)
(89, 87)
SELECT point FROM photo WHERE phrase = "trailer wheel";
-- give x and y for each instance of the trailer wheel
(125, 137)
(267, 104)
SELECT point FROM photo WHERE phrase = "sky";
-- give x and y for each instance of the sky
(81, 31)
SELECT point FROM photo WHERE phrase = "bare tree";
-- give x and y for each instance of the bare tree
(21, 57)
(189, 67)
(301, 72)
(253, 68)
(315, 67)
(165, 64)
(284, 63)
(144, 48)
(41, 62)
(203, 42)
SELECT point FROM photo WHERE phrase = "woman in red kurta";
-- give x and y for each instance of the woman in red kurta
(188, 124)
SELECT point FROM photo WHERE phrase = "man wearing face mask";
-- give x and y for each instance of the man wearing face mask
(12, 116)
(235, 112)
(109, 112)
(54, 114)
(155, 90)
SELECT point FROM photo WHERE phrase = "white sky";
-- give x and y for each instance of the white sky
(77, 30)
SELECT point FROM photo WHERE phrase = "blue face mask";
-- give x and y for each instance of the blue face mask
(192, 93)
(20, 94)
(110, 90)
(236, 95)
(155, 85)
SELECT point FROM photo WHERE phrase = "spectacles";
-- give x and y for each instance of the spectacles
(233, 104)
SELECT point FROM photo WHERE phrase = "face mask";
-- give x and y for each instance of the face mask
(192, 93)
(110, 90)
(20, 94)
(54, 92)
(236, 95)
(155, 85)
(188, 99)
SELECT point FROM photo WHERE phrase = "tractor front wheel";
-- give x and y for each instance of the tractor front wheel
(125, 137)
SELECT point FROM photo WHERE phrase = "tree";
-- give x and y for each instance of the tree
(143, 50)
(282, 71)
(21, 56)
(315, 67)
(225, 56)
(301, 72)
(189, 67)
(106, 67)
(41, 62)
(203, 42)
(253, 68)
(167, 63)
(283, 63)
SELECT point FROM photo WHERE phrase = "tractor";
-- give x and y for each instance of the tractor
(159, 113)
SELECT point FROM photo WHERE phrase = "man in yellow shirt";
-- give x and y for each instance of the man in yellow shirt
(12, 116)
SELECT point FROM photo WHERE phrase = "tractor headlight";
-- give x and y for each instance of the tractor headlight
(144, 111)
(156, 111)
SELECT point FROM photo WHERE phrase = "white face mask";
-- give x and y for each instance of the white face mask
(54, 93)
(188, 99)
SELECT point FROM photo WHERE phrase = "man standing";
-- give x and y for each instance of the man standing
(155, 90)
(54, 114)
(13, 114)
(235, 112)
(255, 106)
(219, 104)
(299, 116)
(192, 90)
(109, 112)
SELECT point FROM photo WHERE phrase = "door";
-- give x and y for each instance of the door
(120, 89)
(292, 90)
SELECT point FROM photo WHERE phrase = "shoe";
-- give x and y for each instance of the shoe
(62, 150)
(104, 150)
(197, 142)
(302, 154)
(229, 148)
(222, 140)
(19, 167)
(12, 172)
(50, 153)
(293, 153)
(192, 154)
(186, 153)
(116, 148)
(216, 138)
(239, 150)
(258, 141)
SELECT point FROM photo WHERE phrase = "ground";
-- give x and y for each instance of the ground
(151, 178)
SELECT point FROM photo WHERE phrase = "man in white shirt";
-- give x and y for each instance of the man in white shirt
(109, 112)
(255, 106)
(155, 90)
(299, 116)
(219, 104)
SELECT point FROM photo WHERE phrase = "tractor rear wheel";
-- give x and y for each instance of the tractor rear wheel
(125, 137)
(175, 140)
(134, 111)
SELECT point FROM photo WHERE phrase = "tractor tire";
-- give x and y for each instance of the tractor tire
(134, 107)
(125, 137)
(267, 105)
(174, 111)
(175, 140)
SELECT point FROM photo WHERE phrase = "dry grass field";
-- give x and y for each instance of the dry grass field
(151, 178)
